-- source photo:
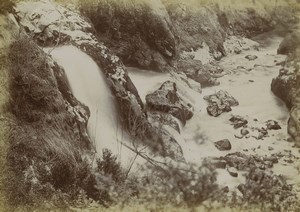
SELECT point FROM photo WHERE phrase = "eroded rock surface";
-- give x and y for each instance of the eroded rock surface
(219, 103)
(166, 99)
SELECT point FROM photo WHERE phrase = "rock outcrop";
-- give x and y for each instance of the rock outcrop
(139, 32)
(166, 99)
(219, 103)
(286, 84)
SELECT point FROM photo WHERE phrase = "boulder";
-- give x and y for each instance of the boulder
(223, 145)
(284, 85)
(166, 99)
(289, 44)
(203, 74)
(139, 32)
(219, 103)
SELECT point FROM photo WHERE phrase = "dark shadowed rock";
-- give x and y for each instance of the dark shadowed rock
(167, 100)
(290, 43)
(223, 145)
(232, 171)
(139, 32)
(284, 85)
(273, 125)
(220, 102)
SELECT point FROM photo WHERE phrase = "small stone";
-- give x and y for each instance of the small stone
(232, 171)
(273, 125)
(244, 132)
(245, 150)
(251, 80)
(270, 148)
(223, 145)
(251, 57)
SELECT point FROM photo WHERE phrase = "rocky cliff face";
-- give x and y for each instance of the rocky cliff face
(286, 85)
(139, 32)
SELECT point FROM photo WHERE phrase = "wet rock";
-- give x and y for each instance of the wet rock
(195, 70)
(223, 145)
(238, 121)
(251, 57)
(219, 103)
(273, 125)
(166, 99)
(232, 171)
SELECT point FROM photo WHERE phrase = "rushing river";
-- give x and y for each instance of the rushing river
(247, 81)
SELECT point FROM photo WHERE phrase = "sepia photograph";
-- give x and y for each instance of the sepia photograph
(150, 105)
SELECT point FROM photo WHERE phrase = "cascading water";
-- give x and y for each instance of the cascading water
(88, 85)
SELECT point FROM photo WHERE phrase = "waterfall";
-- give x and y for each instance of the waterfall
(89, 86)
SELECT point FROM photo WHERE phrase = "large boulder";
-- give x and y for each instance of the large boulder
(220, 102)
(166, 99)
(290, 43)
(194, 69)
(139, 32)
(284, 85)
